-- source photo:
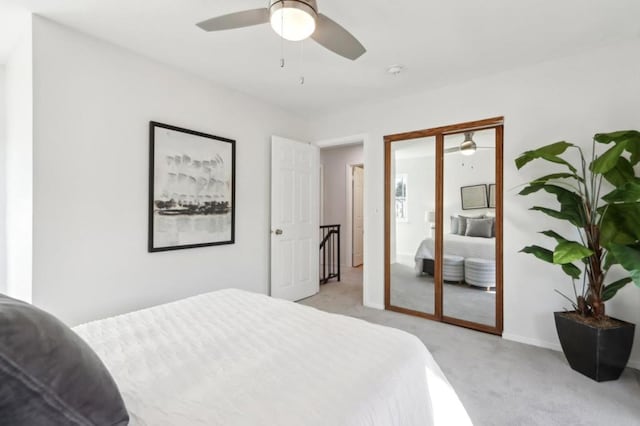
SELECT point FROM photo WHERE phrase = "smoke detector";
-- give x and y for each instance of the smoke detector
(396, 69)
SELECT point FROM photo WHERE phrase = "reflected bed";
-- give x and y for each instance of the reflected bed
(458, 245)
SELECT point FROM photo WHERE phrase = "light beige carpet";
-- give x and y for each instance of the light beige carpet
(500, 382)
(417, 292)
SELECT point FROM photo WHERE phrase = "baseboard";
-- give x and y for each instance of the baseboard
(532, 342)
(406, 258)
(553, 346)
(374, 306)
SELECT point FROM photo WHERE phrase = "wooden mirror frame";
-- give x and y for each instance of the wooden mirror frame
(439, 133)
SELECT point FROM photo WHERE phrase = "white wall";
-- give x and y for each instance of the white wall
(19, 169)
(421, 197)
(3, 195)
(459, 171)
(93, 102)
(334, 162)
(570, 98)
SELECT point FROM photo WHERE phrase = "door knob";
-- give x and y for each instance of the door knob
(278, 231)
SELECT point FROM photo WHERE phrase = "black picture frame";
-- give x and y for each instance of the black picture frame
(491, 195)
(473, 197)
(192, 197)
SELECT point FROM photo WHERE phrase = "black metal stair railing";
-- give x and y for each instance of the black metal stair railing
(329, 253)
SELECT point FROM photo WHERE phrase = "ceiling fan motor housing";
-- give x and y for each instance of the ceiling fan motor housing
(309, 6)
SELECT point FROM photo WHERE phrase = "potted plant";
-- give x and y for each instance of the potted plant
(600, 197)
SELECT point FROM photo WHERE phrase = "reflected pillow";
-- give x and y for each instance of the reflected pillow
(479, 228)
(49, 375)
(462, 230)
(455, 225)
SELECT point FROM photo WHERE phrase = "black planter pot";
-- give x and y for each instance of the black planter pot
(599, 353)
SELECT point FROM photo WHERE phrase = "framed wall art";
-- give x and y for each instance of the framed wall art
(191, 189)
(473, 197)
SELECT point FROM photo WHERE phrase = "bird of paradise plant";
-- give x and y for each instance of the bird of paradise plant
(608, 225)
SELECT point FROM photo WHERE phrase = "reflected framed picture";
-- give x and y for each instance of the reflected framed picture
(473, 197)
(191, 188)
(492, 195)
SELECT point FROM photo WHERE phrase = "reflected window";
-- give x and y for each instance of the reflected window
(401, 198)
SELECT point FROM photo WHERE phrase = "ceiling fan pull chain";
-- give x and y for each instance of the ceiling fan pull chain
(302, 62)
(282, 61)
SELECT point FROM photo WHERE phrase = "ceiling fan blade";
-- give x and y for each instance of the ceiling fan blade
(246, 18)
(450, 150)
(335, 38)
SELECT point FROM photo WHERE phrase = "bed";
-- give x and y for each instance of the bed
(458, 245)
(232, 357)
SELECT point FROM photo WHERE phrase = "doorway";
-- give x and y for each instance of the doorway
(338, 164)
(357, 215)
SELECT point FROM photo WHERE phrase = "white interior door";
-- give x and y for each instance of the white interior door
(294, 219)
(358, 215)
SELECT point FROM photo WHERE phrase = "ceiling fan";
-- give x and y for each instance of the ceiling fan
(293, 20)
(467, 147)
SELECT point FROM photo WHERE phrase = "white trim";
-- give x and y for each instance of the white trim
(349, 219)
(321, 194)
(374, 306)
(367, 274)
(347, 140)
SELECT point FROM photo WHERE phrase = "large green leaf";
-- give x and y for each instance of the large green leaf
(572, 270)
(620, 224)
(571, 206)
(609, 159)
(621, 173)
(548, 152)
(570, 217)
(553, 234)
(611, 289)
(630, 138)
(629, 258)
(547, 256)
(539, 252)
(627, 193)
(609, 261)
(617, 136)
(554, 176)
(570, 251)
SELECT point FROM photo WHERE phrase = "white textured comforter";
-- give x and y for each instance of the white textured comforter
(236, 358)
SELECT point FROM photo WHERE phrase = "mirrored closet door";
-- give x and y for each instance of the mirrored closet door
(443, 218)
(412, 195)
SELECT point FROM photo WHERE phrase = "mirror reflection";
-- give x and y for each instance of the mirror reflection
(412, 214)
(469, 243)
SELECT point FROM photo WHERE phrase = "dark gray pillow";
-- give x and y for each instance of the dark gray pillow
(462, 229)
(49, 375)
(479, 228)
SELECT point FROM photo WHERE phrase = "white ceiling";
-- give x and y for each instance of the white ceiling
(438, 41)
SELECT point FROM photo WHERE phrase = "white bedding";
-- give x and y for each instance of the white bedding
(236, 358)
(459, 245)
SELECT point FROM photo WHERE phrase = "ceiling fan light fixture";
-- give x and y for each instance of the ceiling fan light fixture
(293, 20)
(468, 147)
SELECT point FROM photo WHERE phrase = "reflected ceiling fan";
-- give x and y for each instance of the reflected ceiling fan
(467, 147)
(293, 20)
